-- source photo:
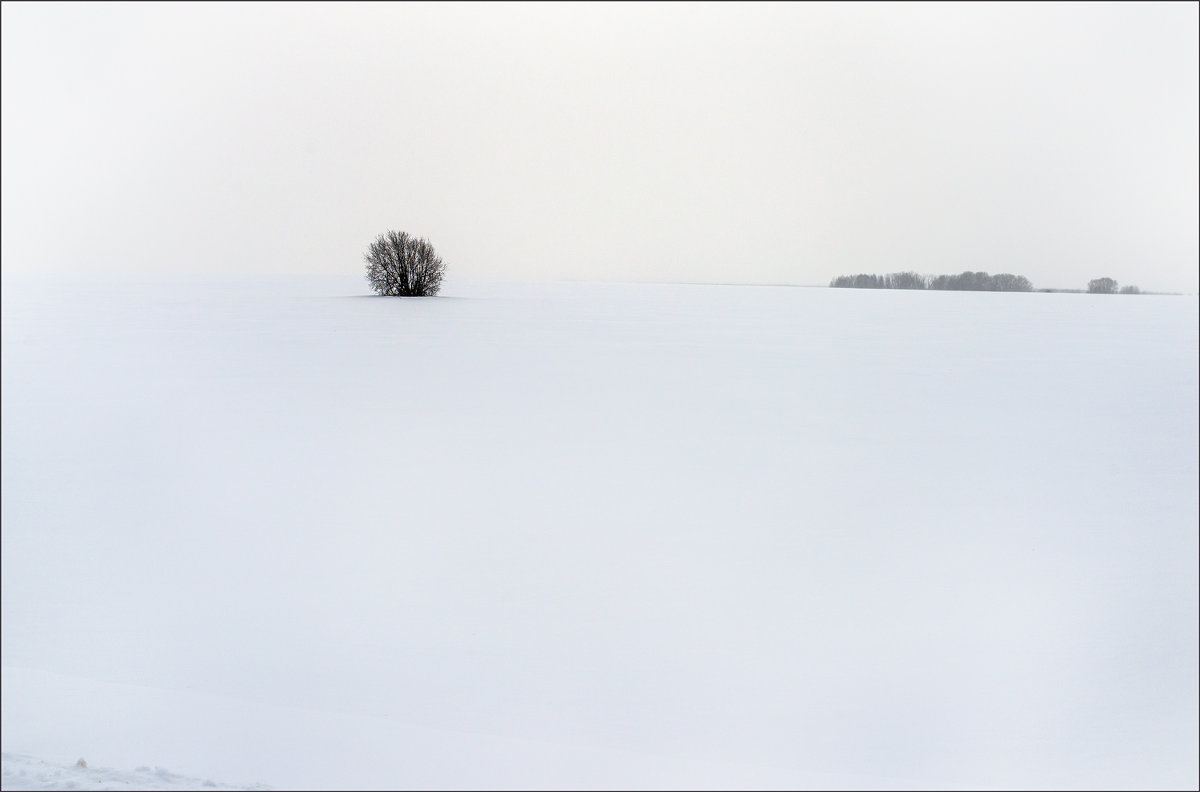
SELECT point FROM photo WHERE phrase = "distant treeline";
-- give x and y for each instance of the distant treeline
(967, 281)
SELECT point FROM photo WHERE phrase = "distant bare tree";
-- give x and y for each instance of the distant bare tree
(904, 280)
(1102, 286)
(1007, 282)
(858, 282)
(974, 281)
(1130, 290)
(967, 281)
(401, 265)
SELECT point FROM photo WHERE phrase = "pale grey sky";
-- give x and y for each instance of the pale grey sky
(765, 143)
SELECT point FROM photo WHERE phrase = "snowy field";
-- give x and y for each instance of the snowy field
(561, 535)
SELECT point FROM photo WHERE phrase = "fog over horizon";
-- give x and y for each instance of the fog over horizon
(729, 143)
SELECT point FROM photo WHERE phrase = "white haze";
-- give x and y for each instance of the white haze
(572, 536)
(672, 142)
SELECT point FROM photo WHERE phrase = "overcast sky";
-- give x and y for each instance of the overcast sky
(719, 143)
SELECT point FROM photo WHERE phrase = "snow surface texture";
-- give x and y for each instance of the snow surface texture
(26, 772)
(599, 535)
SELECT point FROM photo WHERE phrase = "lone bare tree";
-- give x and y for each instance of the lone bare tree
(1102, 286)
(401, 265)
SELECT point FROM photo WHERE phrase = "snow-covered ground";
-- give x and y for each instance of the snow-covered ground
(562, 535)
(26, 772)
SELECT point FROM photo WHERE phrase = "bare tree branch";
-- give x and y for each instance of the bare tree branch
(401, 265)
